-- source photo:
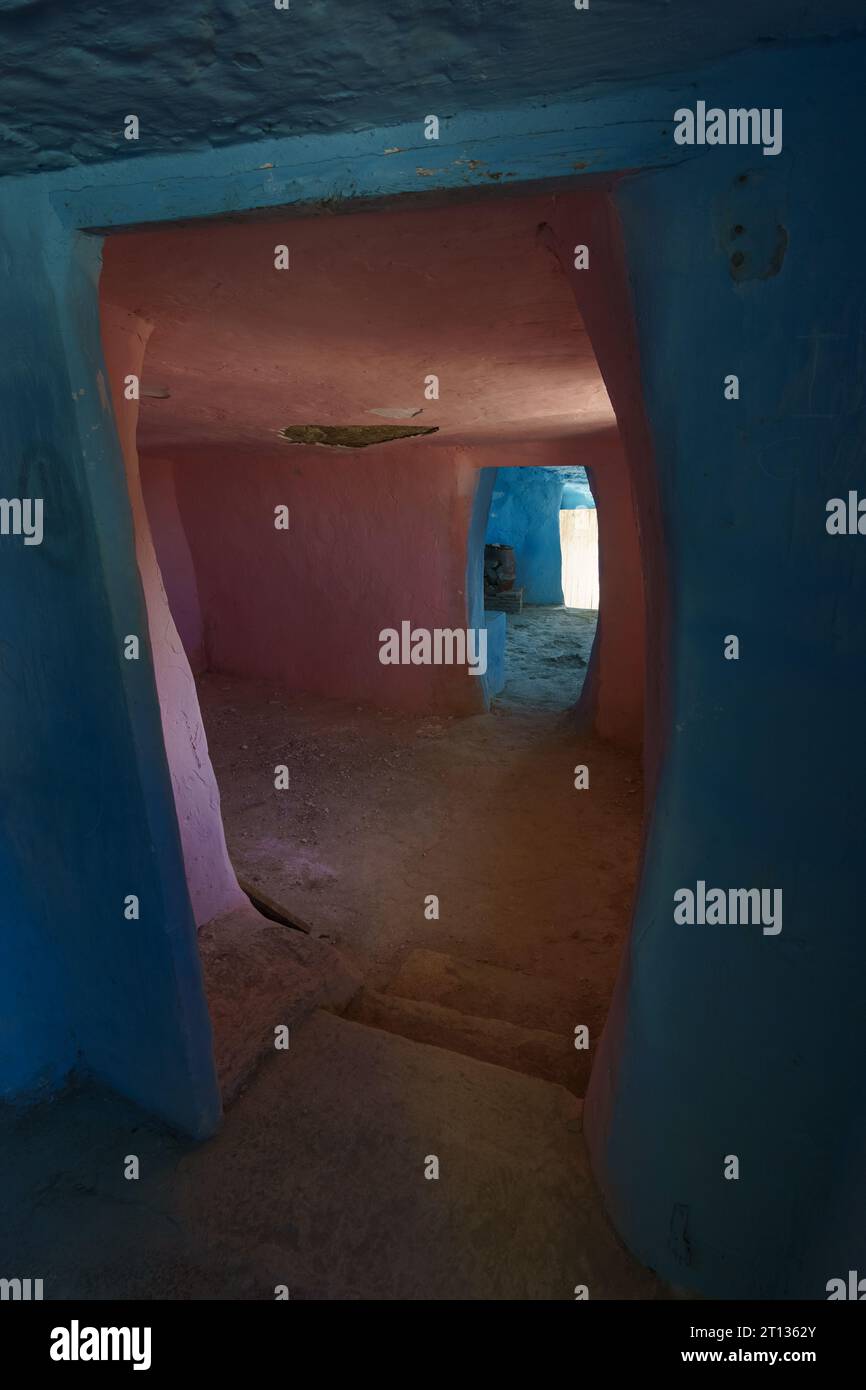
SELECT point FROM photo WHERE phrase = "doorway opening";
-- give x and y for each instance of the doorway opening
(473, 861)
(541, 572)
(578, 535)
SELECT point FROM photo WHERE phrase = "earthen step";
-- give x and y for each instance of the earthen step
(534, 1052)
(257, 975)
(489, 991)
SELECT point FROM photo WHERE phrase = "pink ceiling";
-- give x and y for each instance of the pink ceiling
(373, 303)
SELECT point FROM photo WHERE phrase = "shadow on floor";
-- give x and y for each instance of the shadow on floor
(317, 1182)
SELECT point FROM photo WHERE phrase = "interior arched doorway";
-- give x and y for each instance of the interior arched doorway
(201, 502)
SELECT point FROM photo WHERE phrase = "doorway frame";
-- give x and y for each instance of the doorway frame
(540, 146)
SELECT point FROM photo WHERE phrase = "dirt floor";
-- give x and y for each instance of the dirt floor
(316, 1185)
(319, 1182)
(386, 809)
(547, 656)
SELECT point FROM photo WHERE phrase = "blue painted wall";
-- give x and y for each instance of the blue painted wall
(524, 513)
(86, 811)
(728, 1041)
(214, 73)
(475, 615)
(497, 632)
(576, 491)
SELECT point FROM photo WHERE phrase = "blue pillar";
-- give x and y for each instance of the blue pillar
(726, 1041)
(86, 813)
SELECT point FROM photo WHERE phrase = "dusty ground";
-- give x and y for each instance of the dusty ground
(317, 1180)
(547, 655)
(386, 809)
(317, 1183)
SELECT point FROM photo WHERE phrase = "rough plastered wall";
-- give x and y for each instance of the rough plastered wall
(724, 1039)
(86, 819)
(211, 881)
(217, 74)
(622, 694)
(174, 557)
(377, 536)
(618, 675)
(38, 653)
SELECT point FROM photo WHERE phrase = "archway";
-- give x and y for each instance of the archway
(262, 530)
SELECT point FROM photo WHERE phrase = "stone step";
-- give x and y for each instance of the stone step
(319, 1180)
(489, 991)
(259, 974)
(535, 1052)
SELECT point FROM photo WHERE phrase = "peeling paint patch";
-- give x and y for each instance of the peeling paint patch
(351, 436)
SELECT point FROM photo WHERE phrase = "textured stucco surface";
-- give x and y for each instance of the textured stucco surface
(497, 631)
(370, 306)
(218, 72)
(86, 815)
(366, 311)
(355, 326)
(174, 558)
(727, 1040)
(370, 544)
(210, 878)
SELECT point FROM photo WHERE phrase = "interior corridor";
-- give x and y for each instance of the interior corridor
(412, 879)
(533, 876)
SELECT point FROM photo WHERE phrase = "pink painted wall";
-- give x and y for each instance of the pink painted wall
(174, 557)
(376, 536)
(372, 303)
(211, 880)
(626, 487)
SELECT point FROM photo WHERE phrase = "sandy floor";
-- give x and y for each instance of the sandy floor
(316, 1182)
(547, 655)
(386, 809)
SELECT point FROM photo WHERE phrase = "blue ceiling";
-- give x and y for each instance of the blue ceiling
(219, 72)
